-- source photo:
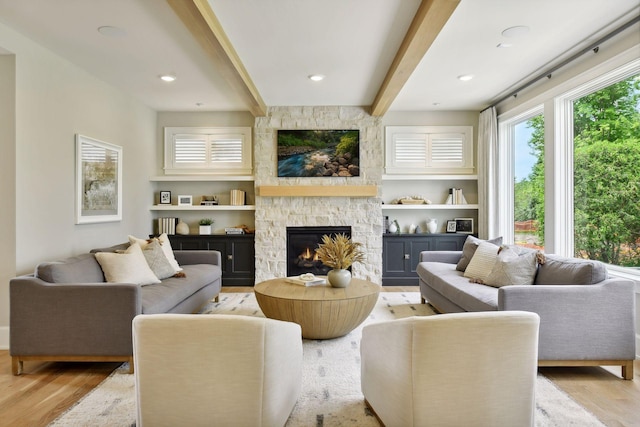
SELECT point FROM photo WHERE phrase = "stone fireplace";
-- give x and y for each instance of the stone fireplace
(301, 245)
(275, 213)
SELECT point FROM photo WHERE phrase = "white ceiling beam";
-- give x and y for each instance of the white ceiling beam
(199, 18)
(425, 27)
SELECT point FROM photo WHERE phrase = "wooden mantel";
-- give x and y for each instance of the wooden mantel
(318, 190)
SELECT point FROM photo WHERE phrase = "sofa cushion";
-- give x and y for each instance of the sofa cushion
(469, 248)
(451, 284)
(513, 268)
(158, 261)
(79, 269)
(482, 262)
(161, 298)
(559, 270)
(166, 248)
(127, 267)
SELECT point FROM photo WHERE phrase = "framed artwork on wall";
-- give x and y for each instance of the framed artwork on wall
(318, 153)
(98, 181)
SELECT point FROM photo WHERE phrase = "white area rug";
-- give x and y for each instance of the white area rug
(331, 393)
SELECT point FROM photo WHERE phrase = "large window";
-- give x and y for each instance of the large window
(606, 174)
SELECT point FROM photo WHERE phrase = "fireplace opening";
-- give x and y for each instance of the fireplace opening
(301, 245)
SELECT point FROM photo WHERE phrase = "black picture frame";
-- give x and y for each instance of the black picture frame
(464, 225)
(451, 226)
(165, 197)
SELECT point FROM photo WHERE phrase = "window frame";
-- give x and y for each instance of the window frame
(209, 166)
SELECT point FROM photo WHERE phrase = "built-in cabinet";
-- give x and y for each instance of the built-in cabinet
(401, 254)
(238, 254)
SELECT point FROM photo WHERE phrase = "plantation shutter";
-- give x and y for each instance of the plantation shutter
(190, 150)
(226, 150)
(447, 150)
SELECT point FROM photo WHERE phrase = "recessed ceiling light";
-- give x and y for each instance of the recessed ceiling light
(168, 77)
(517, 31)
(465, 77)
(316, 77)
(110, 31)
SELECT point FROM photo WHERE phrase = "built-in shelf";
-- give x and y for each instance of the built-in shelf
(203, 208)
(200, 178)
(425, 207)
(318, 190)
(458, 177)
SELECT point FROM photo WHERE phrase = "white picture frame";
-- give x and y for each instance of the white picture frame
(98, 181)
(185, 200)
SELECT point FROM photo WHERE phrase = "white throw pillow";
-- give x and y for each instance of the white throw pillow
(513, 268)
(157, 260)
(127, 267)
(166, 248)
(482, 262)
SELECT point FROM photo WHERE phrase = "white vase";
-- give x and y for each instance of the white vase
(432, 225)
(339, 278)
(182, 228)
(393, 228)
(205, 229)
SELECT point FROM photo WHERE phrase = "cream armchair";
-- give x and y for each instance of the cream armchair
(467, 369)
(222, 370)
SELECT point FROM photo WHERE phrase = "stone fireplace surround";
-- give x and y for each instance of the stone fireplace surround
(274, 214)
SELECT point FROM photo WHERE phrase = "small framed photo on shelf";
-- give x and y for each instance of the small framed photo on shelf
(165, 197)
(464, 225)
(185, 200)
(451, 226)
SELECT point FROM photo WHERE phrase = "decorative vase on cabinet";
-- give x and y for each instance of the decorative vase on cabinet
(432, 225)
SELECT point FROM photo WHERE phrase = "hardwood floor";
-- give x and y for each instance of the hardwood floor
(47, 389)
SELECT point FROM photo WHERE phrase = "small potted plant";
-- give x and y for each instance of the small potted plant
(205, 225)
(339, 253)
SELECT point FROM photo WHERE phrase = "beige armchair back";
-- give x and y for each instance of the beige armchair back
(222, 370)
(467, 369)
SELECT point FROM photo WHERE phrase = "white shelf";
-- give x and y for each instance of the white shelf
(200, 178)
(203, 208)
(428, 207)
(429, 177)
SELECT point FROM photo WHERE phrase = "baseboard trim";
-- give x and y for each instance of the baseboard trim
(4, 338)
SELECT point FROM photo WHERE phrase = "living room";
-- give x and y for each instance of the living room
(48, 97)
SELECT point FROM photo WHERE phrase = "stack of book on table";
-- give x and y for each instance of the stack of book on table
(307, 279)
(234, 230)
(167, 225)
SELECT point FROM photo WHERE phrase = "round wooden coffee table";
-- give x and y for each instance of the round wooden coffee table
(322, 311)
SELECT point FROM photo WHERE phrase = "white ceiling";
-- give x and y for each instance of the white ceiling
(281, 42)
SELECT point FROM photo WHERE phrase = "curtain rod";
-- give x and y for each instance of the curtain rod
(594, 47)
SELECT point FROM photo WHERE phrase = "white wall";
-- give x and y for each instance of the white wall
(7, 187)
(54, 100)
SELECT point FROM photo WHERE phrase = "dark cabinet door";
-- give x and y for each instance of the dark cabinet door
(401, 254)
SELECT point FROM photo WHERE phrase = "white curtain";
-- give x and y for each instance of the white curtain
(488, 174)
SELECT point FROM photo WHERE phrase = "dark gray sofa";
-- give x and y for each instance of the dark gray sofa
(66, 311)
(586, 317)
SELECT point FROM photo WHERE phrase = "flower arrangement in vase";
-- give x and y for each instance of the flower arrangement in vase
(339, 253)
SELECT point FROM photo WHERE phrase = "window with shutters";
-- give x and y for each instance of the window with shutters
(429, 150)
(224, 151)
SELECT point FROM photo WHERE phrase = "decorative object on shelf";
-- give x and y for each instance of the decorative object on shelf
(233, 230)
(455, 197)
(394, 227)
(412, 228)
(182, 228)
(208, 200)
(318, 153)
(464, 225)
(98, 181)
(418, 229)
(165, 197)
(185, 200)
(411, 200)
(237, 198)
(205, 225)
(339, 253)
(451, 226)
(432, 225)
(167, 225)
